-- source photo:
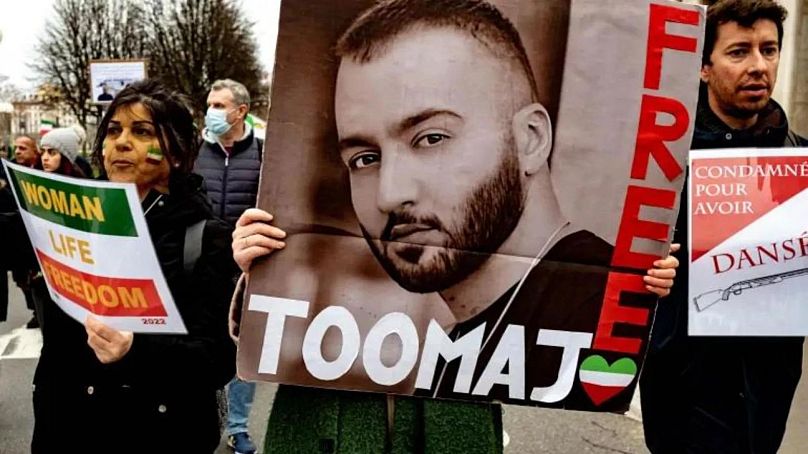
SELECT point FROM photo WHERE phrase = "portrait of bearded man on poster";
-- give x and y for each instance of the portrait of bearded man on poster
(448, 150)
(420, 187)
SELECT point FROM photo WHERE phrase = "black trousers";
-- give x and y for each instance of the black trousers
(21, 278)
(3, 295)
(117, 420)
(720, 395)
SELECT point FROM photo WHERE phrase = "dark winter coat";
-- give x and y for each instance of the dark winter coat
(16, 253)
(718, 394)
(771, 131)
(231, 179)
(7, 214)
(161, 396)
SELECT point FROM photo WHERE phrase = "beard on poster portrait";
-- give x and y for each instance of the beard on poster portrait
(510, 350)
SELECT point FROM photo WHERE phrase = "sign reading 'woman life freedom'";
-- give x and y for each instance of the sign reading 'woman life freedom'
(94, 250)
(749, 242)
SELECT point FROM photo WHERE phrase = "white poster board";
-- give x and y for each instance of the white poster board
(94, 250)
(748, 242)
(108, 78)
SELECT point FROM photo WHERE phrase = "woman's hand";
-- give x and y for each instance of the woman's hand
(254, 237)
(109, 344)
(659, 279)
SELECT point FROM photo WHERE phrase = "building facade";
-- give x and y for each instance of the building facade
(33, 116)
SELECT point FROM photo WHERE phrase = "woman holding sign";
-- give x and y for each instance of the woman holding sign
(98, 389)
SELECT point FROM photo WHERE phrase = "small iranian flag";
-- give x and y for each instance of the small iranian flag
(45, 126)
(154, 155)
(602, 381)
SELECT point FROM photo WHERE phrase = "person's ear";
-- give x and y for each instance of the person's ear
(704, 73)
(533, 137)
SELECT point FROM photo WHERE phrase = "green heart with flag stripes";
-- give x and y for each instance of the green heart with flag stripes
(602, 381)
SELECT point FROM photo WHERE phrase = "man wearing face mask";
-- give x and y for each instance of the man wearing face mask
(230, 156)
(230, 162)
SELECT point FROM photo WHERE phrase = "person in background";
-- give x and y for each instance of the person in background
(101, 390)
(59, 151)
(26, 153)
(230, 163)
(724, 394)
(8, 211)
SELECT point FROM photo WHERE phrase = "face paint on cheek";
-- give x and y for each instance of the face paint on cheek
(154, 155)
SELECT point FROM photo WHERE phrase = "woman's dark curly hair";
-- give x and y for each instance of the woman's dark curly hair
(172, 118)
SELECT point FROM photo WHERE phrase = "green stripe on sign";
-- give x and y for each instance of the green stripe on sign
(597, 363)
(89, 209)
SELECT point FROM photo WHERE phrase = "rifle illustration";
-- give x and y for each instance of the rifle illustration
(712, 297)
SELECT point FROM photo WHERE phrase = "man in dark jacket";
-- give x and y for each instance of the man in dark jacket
(230, 156)
(230, 162)
(26, 153)
(724, 394)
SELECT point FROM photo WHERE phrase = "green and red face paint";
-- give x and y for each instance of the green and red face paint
(154, 155)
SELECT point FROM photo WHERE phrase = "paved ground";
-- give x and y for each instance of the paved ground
(530, 430)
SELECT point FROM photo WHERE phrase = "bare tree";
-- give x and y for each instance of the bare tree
(8, 91)
(85, 30)
(189, 44)
(195, 42)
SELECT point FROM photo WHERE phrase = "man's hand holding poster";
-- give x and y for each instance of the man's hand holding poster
(749, 242)
(94, 250)
(473, 192)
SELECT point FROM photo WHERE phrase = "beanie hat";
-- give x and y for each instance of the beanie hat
(63, 139)
(80, 133)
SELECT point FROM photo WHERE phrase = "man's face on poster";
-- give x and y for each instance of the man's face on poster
(425, 130)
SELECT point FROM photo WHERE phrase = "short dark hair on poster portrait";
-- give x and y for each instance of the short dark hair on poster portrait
(367, 37)
(745, 13)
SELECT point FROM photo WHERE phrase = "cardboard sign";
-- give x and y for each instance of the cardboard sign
(749, 242)
(109, 77)
(473, 192)
(94, 250)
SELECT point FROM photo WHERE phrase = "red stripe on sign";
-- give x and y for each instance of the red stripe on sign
(600, 394)
(108, 296)
(724, 202)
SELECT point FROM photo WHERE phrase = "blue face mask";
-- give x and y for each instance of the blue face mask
(216, 121)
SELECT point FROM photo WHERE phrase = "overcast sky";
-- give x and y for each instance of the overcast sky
(23, 21)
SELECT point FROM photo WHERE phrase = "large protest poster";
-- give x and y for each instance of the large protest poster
(748, 242)
(473, 191)
(94, 250)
